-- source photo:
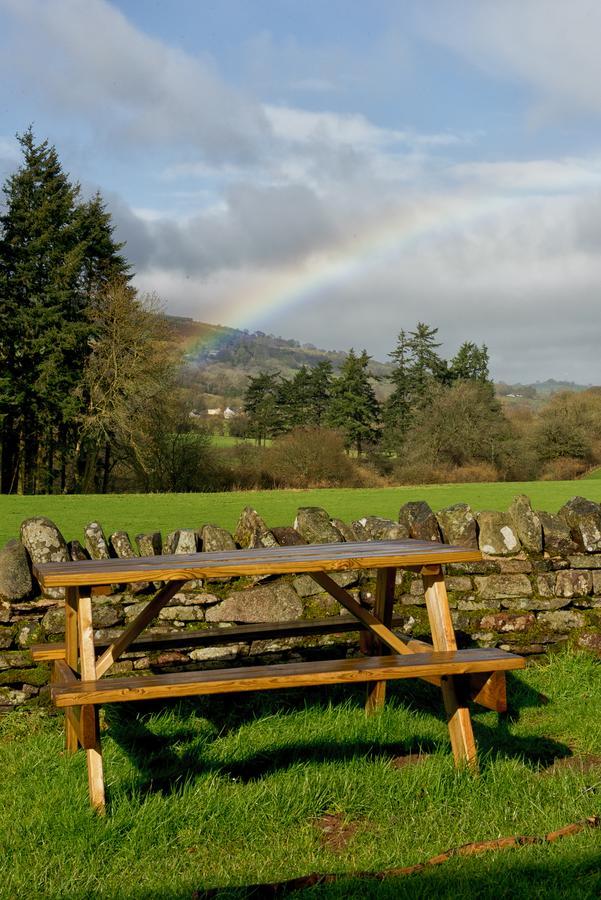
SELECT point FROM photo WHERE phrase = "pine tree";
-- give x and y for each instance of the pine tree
(397, 409)
(470, 363)
(51, 252)
(354, 408)
(261, 406)
(426, 364)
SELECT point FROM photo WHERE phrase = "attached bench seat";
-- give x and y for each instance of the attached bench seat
(70, 692)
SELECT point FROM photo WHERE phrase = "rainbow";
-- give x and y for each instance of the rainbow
(376, 243)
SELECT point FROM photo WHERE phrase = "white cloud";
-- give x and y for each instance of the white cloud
(552, 46)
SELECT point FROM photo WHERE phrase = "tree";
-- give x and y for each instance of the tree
(128, 381)
(470, 363)
(261, 406)
(52, 249)
(354, 408)
(397, 409)
(426, 364)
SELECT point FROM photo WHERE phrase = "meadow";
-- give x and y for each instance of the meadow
(215, 794)
(165, 512)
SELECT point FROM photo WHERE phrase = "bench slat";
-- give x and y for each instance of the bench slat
(250, 678)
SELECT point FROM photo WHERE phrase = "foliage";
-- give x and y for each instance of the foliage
(54, 252)
(354, 408)
(310, 457)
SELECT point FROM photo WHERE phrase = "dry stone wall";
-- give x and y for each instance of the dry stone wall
(537, 588)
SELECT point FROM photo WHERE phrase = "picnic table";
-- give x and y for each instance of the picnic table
(79, 664)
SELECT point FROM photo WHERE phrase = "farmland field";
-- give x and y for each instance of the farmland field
(165, 512)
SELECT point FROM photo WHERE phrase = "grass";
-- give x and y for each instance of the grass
(165, 512)
(223, 793)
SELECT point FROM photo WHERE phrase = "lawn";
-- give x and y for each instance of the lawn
(165, 512)
(223, 793)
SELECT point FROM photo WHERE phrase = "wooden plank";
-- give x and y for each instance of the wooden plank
(384, 600)
(251, 678)
(443, 639)
(488, 691)
(83, 725)
(89, 714)
(260, 561)
(71, 656)
(150, 611)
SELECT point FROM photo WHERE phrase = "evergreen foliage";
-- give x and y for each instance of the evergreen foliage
(55, 252)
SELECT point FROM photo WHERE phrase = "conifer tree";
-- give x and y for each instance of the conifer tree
(51, 251)
(354, 408)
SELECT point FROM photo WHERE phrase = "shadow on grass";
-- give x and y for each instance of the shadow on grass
(165, 761)
(574, 876)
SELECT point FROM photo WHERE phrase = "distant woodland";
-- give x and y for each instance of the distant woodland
(101, 391)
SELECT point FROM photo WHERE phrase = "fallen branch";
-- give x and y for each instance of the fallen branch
(280, 888)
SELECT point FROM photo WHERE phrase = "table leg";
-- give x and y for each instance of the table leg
(71, 651)
(385, 583)
(88, 673)
(443, 638)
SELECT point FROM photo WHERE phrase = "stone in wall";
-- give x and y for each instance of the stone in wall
(149, 544)
(527, 524)
(420, 521)
(584, 520)
(121, 545)
(497, 587)
(214, 538)
(180, 541)
(306, 587)
(497, 534)
(557, 538)
(573, 584)
(315, 527)
(44, 543)
(286, 536)
(458, 525)
(15, 572)
(77, 551)
(95, 541)
(276, 602)
(251, 531)
(347, 531)
(377, 529)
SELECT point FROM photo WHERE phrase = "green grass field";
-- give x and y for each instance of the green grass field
(223, 793)
(164, 512)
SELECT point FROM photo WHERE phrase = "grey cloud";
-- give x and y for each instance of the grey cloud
(256, 226)
(86, 58)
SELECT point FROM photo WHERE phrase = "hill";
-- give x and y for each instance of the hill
(220, 359)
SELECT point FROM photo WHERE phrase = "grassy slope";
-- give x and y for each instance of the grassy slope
(226, 792)
(164, 512)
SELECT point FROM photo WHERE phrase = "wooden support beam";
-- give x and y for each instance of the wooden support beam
(385, 584)
(89, 714)
(443, 638)
(150, 611)
(71, 656)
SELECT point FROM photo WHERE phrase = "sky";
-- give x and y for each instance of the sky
(336, 170)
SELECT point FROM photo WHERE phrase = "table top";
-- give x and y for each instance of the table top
(260, 561)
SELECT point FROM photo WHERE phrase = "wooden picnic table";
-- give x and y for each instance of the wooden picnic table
(79, 665)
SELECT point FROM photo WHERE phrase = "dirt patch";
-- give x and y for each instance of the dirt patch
(409, 759)
(582, 763)
(335, 831)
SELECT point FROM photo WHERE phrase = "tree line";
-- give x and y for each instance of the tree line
(315, 397)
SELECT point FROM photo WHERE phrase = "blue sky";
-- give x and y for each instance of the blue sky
(336, 171)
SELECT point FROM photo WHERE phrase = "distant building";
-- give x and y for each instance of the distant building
(229, 413)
